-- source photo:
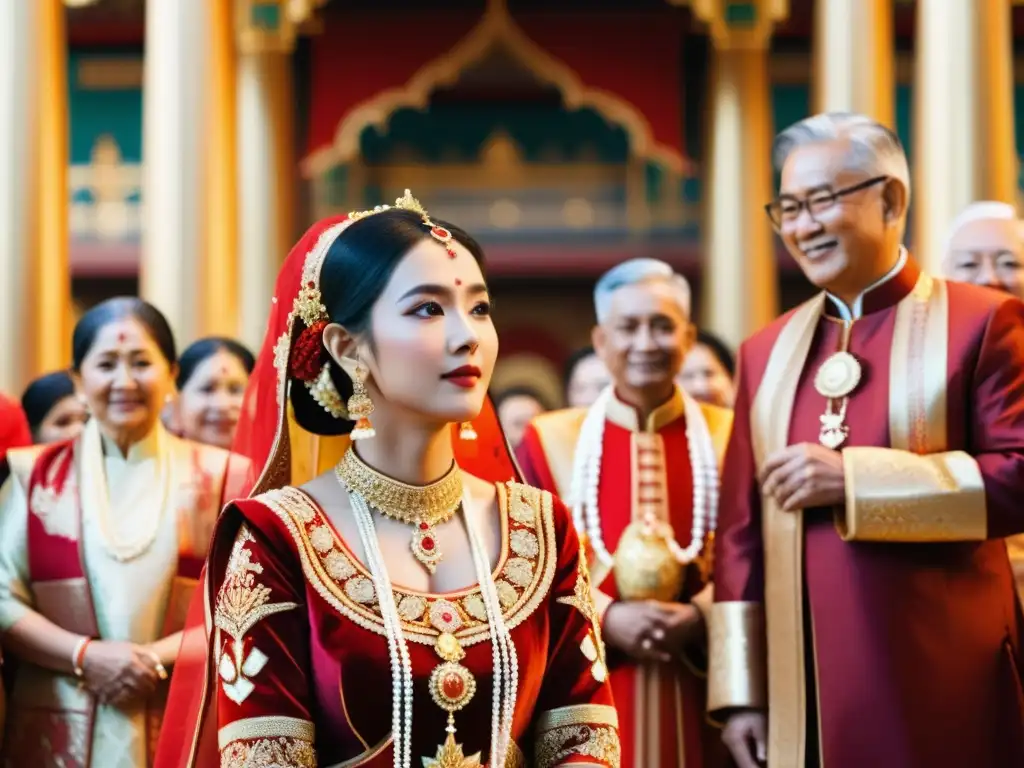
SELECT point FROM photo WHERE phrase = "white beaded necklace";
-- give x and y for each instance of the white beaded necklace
(504, 657)
(586, 479)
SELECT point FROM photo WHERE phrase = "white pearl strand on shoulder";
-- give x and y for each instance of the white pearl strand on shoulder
(505, 659)
(586, 479)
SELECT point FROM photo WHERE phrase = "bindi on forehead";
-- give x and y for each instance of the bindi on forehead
(458, 282)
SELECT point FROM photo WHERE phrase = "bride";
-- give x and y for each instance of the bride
(413, 604)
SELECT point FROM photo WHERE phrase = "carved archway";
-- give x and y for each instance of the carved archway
(496, 28)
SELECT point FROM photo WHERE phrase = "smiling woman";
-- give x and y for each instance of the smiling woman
(102, 538)
(413, 578)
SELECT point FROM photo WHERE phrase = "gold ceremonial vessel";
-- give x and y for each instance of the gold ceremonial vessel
(644, 566)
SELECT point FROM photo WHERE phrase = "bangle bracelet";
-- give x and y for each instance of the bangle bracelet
(78, 657)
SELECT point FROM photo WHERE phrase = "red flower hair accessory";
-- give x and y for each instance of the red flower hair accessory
(308, 353)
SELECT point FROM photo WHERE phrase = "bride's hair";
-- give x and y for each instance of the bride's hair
(355, 272)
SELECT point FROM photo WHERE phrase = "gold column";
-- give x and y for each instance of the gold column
(740, 282)
(853, 58)
(35, 278)
(51, 268)
(266, 163)
(963, 115)
(219, 269)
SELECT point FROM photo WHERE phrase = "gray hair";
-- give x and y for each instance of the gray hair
(980, 210)
(634, 272)
(875, 148)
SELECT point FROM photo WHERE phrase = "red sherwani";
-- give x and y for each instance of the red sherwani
(661, 709)
(893, 635)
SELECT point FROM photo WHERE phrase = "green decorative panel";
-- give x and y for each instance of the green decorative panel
(458, 133)
(95, 112)
(265, 16)
(739, 14)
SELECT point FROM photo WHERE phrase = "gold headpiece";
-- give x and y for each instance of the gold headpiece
(406, 203)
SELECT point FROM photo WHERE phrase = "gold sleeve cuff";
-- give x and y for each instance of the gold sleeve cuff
(894, 495)
(584, 730)
(284, 742)
(736, 670)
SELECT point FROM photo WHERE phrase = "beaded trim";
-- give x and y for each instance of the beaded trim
(523, 582)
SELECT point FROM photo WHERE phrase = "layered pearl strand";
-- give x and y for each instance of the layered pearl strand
(504, 657)
(586, 479)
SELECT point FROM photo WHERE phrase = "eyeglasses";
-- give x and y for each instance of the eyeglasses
(786, 209)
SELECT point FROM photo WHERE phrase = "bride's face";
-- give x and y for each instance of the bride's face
(432, 344)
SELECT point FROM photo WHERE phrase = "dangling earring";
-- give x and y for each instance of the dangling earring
(326, 395)
(466, 431)
(360, 406)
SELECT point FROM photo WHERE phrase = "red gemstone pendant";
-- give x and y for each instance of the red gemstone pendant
(424, 546)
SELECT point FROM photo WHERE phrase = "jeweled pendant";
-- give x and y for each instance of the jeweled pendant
(363, 430)
(424, 546)
(833, 432)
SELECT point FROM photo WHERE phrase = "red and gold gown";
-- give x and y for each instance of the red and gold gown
(893, 636)
(661, 707)
(302, 656)
(286, 663)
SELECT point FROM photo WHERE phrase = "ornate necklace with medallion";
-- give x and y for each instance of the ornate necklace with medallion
(423, 507)
(835, 380)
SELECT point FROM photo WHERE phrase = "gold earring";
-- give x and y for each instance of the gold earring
(466, 431)
(360, 406)
(326, 395)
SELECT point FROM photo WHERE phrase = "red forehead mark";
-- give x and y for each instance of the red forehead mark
(122, 337)
(223, 370)
(458, 282)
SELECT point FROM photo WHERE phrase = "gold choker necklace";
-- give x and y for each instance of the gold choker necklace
(420, 506)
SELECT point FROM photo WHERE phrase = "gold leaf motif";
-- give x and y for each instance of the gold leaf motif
(451, 755)
(241, 603)
(520, 510)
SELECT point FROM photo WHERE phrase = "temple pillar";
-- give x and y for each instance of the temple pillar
(740, 281)
(963, 115)
(219, 268)
(35, 276)
(173, 189)
(266, 160)
(854, 48)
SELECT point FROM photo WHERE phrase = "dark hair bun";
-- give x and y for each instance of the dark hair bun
(312, 416)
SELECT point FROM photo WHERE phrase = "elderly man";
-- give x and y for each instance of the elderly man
(984, 247)
(864, 599)
(640, 468)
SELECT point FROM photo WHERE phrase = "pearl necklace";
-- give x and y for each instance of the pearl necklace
(504, 657)
(586, 479)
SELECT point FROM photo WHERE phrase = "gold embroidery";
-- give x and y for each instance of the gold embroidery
(585, 730)
(268, 727)
(894, 495)
(241, 603)
(582, 599)
(451, 755)
(269, 753)
(344, 584)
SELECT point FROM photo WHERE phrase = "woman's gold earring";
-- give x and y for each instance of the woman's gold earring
(466, 431)
(360, 406)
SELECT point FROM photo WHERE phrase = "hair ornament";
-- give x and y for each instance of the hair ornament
(409, 203)
(308, 352)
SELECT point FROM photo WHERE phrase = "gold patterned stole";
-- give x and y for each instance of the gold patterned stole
(917, 414)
